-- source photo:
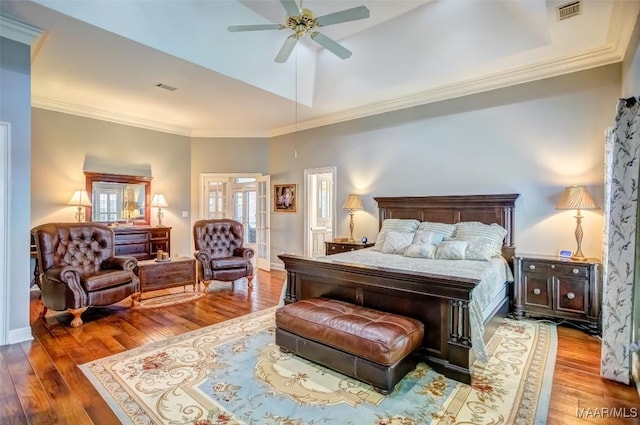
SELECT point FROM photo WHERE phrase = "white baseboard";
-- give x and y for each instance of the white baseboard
(277, 266)
(20, 335)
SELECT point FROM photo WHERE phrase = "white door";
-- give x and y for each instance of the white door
(320, 201)
(263, 223)
(214, 195)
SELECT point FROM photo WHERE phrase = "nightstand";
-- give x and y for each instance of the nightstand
(336, 247)
(554, 287)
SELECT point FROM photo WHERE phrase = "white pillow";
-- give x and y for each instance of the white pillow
(394, 225)
(396, 242)
(451, 250)
(494, 232)
(478, 249)
(420, 250)
(427, 237)
(445, 229)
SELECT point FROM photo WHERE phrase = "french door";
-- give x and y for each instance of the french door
(244, 198)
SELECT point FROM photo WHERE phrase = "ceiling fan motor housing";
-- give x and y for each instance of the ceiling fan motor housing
(303, 23)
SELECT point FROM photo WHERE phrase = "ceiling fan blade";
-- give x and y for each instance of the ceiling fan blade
(258, 27)
(286, 49)
(331, 45)
(360, 12)
(291, 6)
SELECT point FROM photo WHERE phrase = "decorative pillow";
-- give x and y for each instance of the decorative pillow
(420, 250)
(394, 225)
(445, 229)
(427, 237)
(396, 242)
(478, 249)
(494, 232)
(451, 250)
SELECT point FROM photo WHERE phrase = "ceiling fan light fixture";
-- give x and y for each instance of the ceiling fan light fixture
(303, 22)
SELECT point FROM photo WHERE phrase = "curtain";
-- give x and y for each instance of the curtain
(621, 216)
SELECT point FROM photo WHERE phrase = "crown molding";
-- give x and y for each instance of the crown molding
(101, 114)
(18, 31)
(604, 55)
(593, 58)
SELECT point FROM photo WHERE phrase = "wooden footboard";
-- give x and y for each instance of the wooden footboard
(441, 303)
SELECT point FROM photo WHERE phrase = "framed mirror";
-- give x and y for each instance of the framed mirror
(117, 198)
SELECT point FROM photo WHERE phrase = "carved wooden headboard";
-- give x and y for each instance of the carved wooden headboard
(454, 209)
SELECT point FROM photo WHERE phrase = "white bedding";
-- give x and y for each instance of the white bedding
(492, 275)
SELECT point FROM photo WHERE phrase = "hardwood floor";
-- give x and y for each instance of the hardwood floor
(40, 382)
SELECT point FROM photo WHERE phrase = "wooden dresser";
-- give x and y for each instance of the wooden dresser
(337, 247)
(142, 242)
(553, 287)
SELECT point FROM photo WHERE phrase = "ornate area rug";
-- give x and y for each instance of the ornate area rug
(232, 373)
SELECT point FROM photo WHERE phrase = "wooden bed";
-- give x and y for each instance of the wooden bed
(440, 302)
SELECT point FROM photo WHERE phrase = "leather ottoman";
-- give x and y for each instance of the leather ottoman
(369, 345)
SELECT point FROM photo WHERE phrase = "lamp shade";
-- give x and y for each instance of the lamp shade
(159, 201)
(353, 202)
(576, 198)
(80, 198)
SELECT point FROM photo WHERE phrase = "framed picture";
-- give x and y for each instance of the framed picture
(285, 198)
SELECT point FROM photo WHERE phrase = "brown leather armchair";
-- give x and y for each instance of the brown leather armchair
(219, 251)
(78, 268)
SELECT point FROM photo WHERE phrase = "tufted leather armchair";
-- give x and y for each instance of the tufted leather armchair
(78, 268)
(219, 251)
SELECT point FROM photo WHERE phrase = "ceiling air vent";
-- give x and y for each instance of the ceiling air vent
(569, 10)
(166, 87)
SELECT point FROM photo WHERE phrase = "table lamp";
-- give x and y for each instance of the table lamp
(159, 201)
(353, 203)
(80, 199)
(577, 198)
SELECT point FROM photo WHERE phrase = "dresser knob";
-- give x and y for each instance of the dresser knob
(532, 267)
(575, 271)
(571, 295)
(553, 266)
(537, 291)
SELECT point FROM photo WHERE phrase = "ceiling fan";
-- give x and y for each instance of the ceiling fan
(303, 22)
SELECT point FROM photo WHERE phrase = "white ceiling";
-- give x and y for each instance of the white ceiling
(103, 58)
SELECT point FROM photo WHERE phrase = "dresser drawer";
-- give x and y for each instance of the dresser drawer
(572, 296)
(159, 234)
(537, 291)
(134, 237)
(564, 269)
(132, 250)
(338, 247)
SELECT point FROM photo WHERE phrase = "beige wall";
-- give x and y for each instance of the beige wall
(62, 142)
(15, 109)
(531, 139)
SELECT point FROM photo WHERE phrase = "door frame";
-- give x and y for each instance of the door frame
(5, 177)
(260, 263)
(333, 170)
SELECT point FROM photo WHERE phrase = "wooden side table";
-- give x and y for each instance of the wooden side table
(554, 287)
(155, 275)
(337, 247)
